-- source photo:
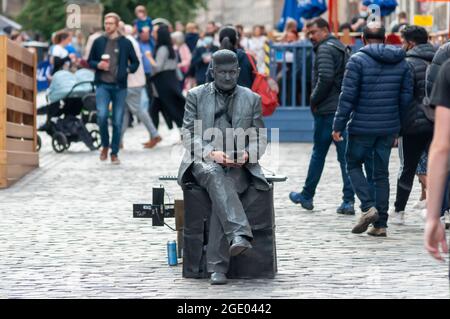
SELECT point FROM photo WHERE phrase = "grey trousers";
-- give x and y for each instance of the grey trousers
(228, 218)
(138, 106)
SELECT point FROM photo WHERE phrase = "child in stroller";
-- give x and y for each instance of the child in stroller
(68, 113)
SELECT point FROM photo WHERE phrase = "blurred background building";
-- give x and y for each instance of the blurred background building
(268, 12)
(246, 12)
(12, 8)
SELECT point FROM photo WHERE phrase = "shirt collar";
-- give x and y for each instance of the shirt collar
(231, 93)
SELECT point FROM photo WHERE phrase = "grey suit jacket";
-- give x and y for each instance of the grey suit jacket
(247, 113)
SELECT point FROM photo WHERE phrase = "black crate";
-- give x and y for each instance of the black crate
(258, 262)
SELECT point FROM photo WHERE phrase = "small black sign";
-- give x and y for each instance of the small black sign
(149, 211)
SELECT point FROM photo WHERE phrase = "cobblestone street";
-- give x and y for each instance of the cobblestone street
(67, 231)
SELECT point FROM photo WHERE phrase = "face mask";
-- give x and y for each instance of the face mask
(208, 41)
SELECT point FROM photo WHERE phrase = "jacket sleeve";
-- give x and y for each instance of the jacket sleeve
(197, 57)
(94, 56)
(186, 57)
(441, 56)
(349, 96)
(209, 75)
(134, 61)
(408, 114)
(406, 95)
(194, 144)
(325, 77)
(194, 61)
(162, 55)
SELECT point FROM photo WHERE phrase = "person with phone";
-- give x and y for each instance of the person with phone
(224, 163)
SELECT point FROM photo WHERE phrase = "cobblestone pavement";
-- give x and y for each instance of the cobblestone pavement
(67, 231)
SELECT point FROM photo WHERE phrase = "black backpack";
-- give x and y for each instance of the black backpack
(347, 52)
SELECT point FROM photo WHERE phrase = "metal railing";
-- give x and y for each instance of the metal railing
(291, 66)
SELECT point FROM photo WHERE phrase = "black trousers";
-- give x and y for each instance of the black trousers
(412, 147)
(170, 100)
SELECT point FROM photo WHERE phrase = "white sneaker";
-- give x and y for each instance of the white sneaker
(397, 218)
(420, 204)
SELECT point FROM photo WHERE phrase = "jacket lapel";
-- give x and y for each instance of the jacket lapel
(236, 120)
(209, 108)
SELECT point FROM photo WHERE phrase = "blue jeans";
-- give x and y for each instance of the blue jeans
(105, 94)
(323, 128)
(358, 148)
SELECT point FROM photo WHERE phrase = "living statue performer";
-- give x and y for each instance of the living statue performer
(224, 135)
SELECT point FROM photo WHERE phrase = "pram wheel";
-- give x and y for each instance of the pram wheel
(59, 142)
(96, 140)
(38, 144)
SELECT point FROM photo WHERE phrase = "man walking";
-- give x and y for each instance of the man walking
(113, 58)
(418, 129)
(376, 94)
(329, 67)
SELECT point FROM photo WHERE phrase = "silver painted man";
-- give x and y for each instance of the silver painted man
(224, 137)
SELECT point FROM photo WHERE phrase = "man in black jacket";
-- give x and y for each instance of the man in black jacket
(442, 55)
(113, 57)
(329, 67)
(417, 130)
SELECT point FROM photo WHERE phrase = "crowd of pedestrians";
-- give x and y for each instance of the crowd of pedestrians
(143, 70)
(368, 103)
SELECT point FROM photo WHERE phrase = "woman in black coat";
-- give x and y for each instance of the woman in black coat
(168, 98)
(229, 39)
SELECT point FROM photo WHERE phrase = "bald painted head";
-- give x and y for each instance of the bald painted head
(225, 70)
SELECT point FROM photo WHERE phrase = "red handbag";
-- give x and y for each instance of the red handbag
(265, 87)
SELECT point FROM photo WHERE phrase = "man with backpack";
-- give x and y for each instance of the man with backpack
(418, 129)
(329, 67)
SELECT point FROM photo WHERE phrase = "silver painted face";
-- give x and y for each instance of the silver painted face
(226, 76)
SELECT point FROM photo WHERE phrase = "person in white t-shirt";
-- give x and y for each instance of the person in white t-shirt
(60, 57)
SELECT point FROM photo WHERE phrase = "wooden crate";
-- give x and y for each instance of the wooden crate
(18, 91)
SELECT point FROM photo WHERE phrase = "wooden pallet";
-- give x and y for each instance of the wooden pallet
(18, 137)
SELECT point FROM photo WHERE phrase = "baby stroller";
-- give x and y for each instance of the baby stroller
(68, 114)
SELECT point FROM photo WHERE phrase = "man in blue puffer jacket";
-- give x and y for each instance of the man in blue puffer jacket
(376, 93)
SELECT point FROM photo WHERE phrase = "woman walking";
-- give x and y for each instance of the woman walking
(168, 98)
